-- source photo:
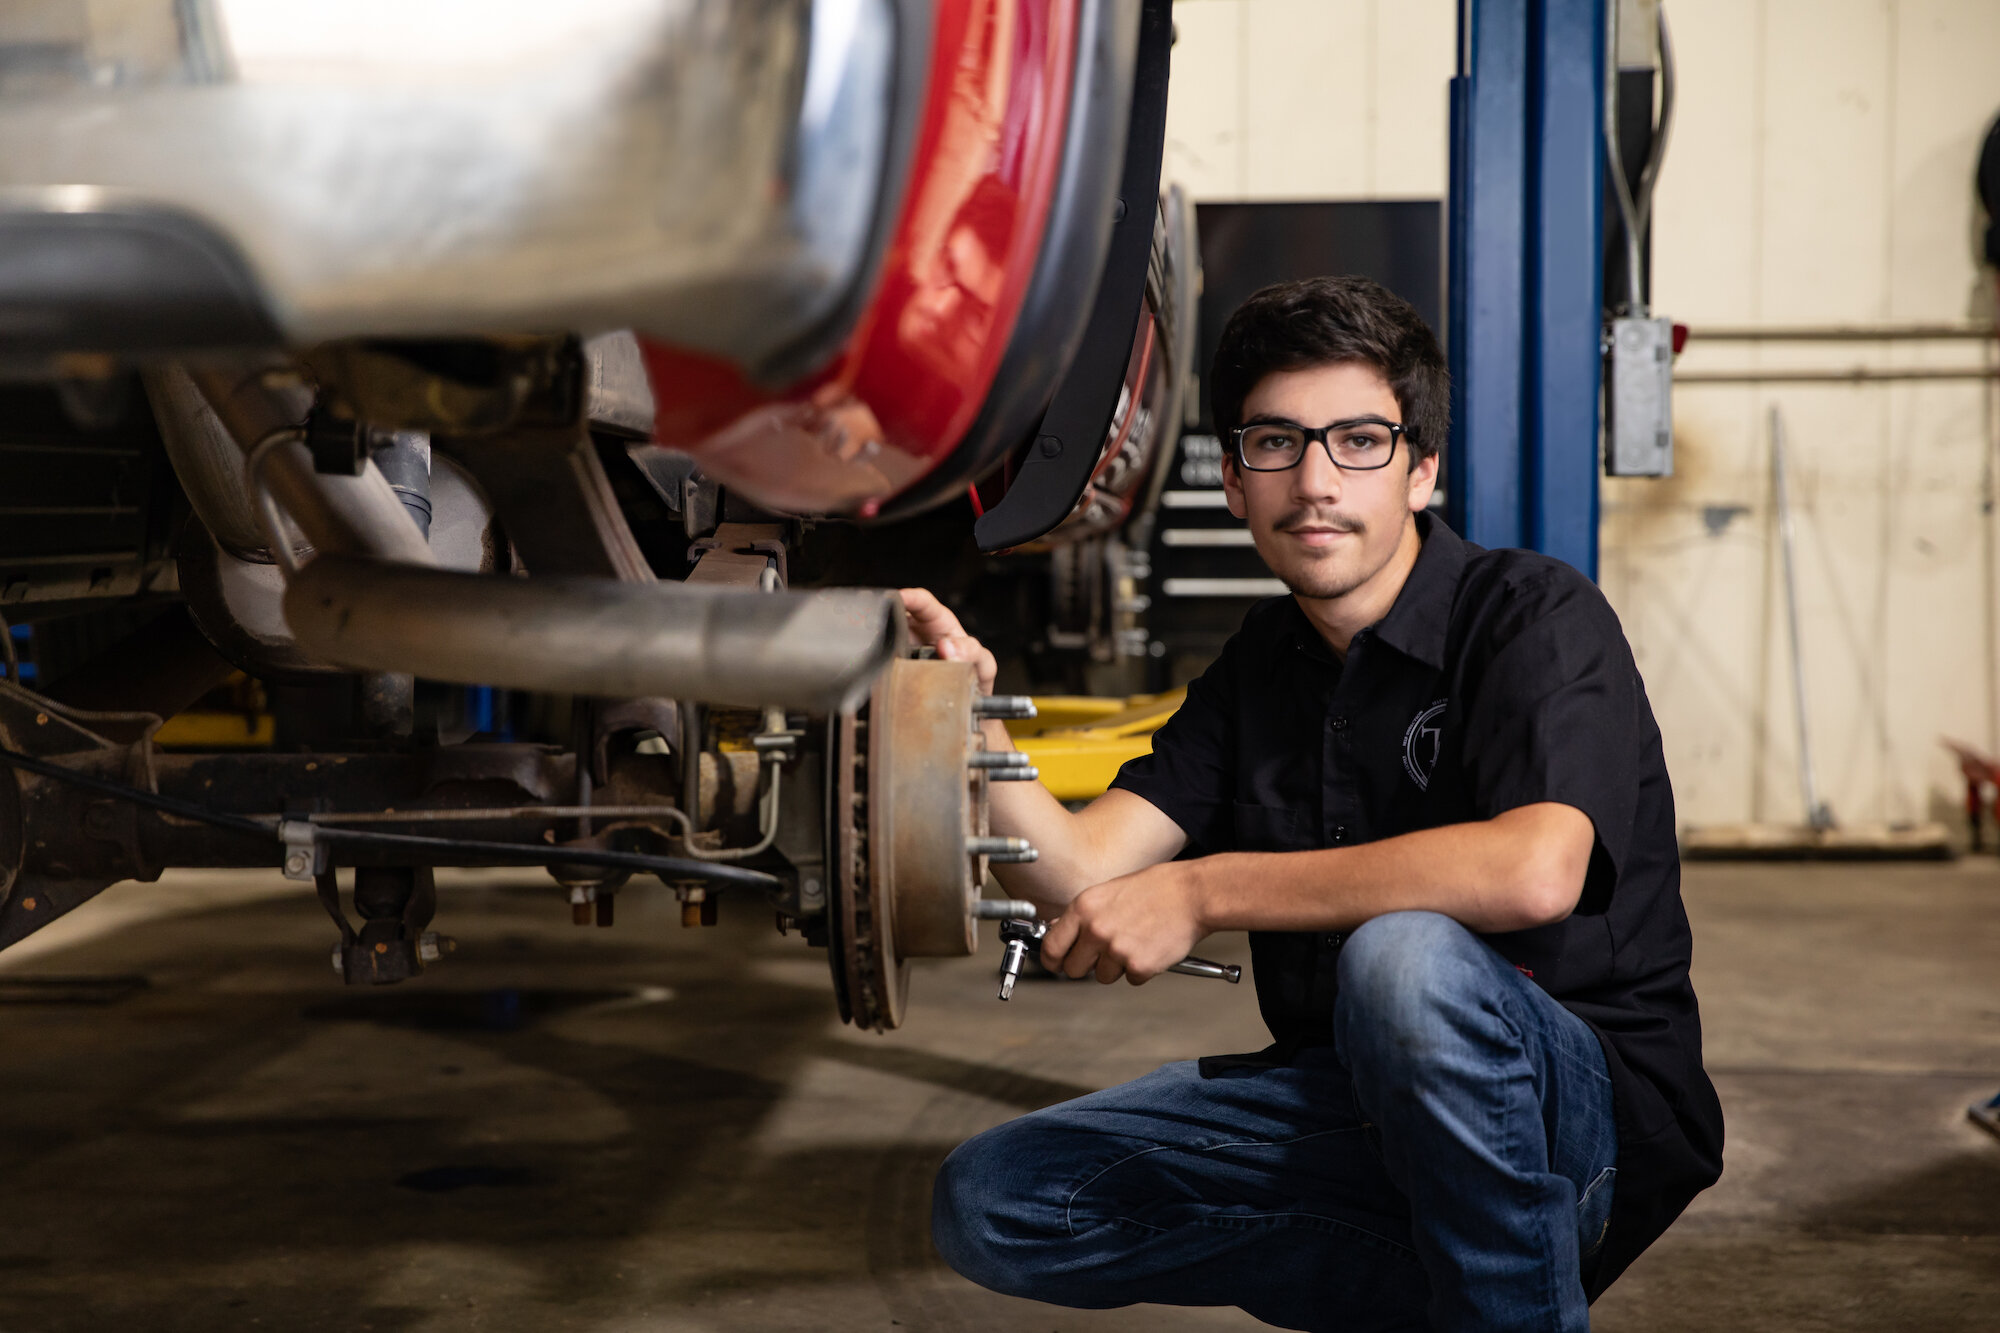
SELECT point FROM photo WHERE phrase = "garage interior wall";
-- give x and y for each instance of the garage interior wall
(1820, 174)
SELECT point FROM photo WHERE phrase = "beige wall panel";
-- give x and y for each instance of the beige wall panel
(1205, 99)
(1683, 563)
(1416, 45)
(1940, 594)
(1309, 98)
(1819, 174)
(1842, 515)
(1947, 92)
(1825, 131)
(1705, 233)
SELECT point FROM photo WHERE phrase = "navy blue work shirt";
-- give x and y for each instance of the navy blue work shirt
(1498, 679)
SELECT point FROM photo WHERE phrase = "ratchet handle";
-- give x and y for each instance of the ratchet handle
(1201, 967)
(1018, 934)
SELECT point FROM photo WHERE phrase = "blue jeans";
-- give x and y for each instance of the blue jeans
(1447, 1164)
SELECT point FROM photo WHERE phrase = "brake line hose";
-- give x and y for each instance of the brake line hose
(670, 867)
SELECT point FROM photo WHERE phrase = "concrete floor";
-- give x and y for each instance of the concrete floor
(656, 1129)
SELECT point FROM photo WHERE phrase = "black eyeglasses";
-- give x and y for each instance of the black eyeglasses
(1360, 444)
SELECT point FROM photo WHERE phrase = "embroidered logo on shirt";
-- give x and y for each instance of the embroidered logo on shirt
(1422, 744)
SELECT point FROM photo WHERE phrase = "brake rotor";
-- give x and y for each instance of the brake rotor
(905, 804)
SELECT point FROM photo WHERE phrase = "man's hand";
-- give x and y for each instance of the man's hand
(1136, 926)
(932, 623)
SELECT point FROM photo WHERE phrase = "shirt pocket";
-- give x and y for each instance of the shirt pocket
(1267, 828)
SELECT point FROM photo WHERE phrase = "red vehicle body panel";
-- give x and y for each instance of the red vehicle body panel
(913, 375)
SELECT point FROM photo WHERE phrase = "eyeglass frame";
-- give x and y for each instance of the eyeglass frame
(1321, 435)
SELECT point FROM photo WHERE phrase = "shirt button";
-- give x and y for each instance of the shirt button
(1337, 723)
(1340, 833)
(1335, 940)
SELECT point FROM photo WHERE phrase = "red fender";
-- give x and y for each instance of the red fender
(903, 391)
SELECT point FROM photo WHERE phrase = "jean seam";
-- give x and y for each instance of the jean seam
(1069, 1204)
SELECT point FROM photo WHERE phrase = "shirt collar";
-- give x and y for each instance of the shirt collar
(1415, 625)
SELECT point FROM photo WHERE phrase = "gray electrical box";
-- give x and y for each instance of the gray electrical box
(1639, 399)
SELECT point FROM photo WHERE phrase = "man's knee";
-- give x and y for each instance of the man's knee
(971, 1213)
(1407, 982)
(957, 1217)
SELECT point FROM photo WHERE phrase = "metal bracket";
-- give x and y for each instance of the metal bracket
(305, 854)
(739, 540)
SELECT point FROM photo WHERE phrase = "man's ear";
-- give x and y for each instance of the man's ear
(1423, 480)
(1232, 487)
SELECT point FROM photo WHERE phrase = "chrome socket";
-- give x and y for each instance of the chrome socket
(1003, 909)
(1003, 706)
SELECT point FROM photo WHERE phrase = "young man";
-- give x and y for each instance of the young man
(1430, 786)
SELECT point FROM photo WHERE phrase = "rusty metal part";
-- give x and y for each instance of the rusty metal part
(870, 985)
(549, 488)
(626, 716)
(907, 807)
(926, 805)
(34, 889)
(816, 650)
(394, 903)
(60, 832)
(466, 386)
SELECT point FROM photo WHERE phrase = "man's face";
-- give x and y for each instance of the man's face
(1323, 530)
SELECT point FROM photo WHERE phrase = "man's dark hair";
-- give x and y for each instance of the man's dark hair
(1326, 321)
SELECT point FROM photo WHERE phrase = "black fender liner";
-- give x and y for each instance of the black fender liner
(1065, 452)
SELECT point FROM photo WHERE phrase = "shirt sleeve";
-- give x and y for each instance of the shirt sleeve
(1189, 776)
(1559, 714)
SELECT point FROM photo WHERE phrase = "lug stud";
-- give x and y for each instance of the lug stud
(1007, 851)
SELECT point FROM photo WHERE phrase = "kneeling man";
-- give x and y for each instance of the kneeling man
(1430, 785)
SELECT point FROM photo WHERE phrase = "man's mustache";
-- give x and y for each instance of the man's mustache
(1309, 518)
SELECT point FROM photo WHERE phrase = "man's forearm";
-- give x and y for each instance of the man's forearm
(1065, 861)
(1521, 869)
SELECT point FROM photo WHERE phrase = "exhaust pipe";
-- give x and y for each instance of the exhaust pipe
(358, 515)
(818, 650)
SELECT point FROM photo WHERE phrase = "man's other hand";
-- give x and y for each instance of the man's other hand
(1136, 926)
(933, 624)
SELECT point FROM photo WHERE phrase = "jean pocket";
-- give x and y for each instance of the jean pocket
(1593, 1213)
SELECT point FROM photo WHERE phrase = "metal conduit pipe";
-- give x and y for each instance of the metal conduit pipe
(817, 650)
(339, 515)
(1844, 333)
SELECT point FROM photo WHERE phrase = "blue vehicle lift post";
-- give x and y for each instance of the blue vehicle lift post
(1525, 274)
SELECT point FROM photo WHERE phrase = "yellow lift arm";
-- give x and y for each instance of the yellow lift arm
(1079, 743)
